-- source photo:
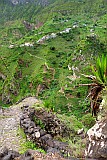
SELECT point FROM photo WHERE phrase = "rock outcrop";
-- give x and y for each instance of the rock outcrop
(6, 154)
(97, 141)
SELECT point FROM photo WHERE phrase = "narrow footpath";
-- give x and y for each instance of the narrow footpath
(10, 122)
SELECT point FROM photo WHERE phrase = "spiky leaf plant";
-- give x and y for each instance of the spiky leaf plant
(100, 82)
(100, 72)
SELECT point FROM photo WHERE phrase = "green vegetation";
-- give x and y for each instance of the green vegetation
(53, 69)
(101, 70)
(71, 122)
(25, 144)
(69, 54)
(99, 82)
(88, 121)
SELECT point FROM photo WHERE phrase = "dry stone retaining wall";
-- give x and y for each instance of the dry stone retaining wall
(44, 138)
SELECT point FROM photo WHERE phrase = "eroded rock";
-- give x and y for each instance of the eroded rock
(97, 141)
(6, 154)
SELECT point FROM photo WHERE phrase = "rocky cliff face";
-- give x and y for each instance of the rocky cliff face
(97, 141)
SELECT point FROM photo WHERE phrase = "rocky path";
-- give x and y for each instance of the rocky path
(9, 124)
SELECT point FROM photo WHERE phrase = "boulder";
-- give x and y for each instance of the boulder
(6, 154)
(97, 141)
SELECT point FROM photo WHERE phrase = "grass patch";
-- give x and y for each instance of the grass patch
(25, 144)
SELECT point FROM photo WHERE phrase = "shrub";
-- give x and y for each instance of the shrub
(88, 120)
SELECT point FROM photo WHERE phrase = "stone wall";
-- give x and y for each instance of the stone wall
(44, 137)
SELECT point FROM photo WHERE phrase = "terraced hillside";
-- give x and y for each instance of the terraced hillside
(46, 49)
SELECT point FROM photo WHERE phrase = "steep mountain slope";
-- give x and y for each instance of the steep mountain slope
(45, 49)
(30, 9)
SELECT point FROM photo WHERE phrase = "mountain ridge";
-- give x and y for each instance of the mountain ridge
(30, 9)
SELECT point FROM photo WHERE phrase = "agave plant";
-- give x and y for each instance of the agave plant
(99, 82)
(100, 72)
